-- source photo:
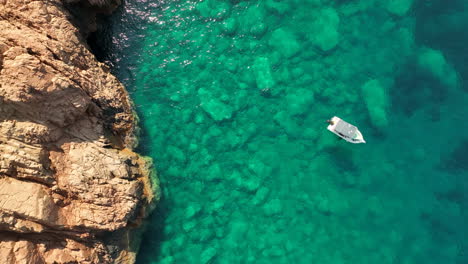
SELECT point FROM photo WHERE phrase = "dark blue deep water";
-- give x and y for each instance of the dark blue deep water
(233, 96)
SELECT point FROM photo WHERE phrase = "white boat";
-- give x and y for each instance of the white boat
(345, 130)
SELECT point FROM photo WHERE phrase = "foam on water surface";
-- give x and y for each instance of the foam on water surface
(233, 98)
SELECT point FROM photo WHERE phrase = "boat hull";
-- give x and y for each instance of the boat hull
(336, 123)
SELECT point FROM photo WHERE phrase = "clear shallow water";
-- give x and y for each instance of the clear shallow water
(233, 96)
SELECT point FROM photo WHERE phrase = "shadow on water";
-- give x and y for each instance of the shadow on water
(444, 27)
(342, 156)
(416, 90)
(150, 246)
(441, 27)
(95, 44)
(458, 160)
(100, 41)
(113, 51)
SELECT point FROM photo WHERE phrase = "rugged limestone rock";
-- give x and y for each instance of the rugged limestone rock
(71, 189)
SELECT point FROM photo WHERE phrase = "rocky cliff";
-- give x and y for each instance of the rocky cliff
(71, 188)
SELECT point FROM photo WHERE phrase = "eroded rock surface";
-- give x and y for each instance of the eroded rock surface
(71, 188)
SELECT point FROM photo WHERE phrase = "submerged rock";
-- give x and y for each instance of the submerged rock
(273, 207)
(263, 77)
(324, 31)
(213, 106)
(376, 100)
(217, 109)
(435, 63)
(72, 189)
(285, 42)
(399, 7)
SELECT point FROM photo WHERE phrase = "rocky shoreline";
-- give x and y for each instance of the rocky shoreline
(71, 188)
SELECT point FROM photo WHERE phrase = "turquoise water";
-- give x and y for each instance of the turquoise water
(233, 98)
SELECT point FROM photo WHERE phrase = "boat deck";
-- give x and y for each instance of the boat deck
(346, 129)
